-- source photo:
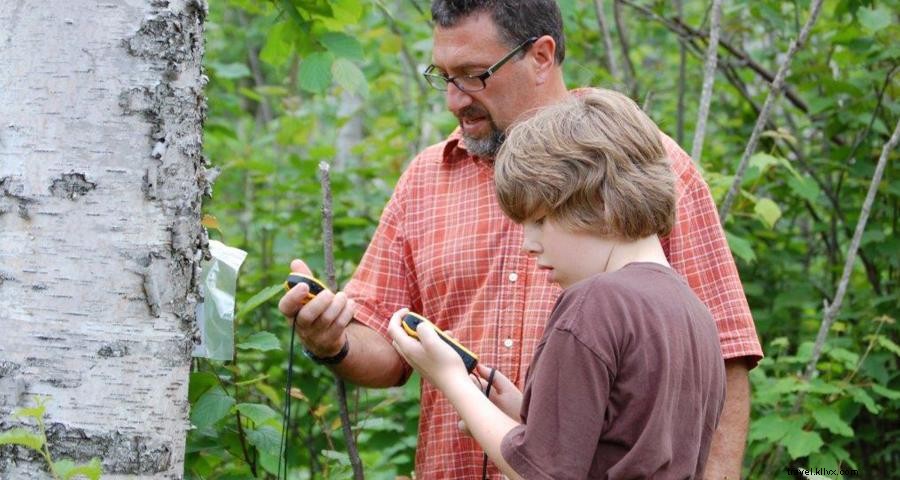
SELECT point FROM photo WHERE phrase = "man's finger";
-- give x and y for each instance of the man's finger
(299, 266)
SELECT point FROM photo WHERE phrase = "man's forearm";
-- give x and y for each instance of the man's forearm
(371, 360)
(726, 454)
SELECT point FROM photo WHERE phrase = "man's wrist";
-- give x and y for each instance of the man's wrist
(329, 360)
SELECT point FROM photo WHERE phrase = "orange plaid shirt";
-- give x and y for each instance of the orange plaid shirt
(445, 249)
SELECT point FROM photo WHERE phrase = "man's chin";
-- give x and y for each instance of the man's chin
(484, 146)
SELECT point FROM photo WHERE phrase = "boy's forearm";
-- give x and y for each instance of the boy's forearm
(726, 454)
(487, 423)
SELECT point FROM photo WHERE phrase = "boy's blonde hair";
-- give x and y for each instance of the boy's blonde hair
(593, 164)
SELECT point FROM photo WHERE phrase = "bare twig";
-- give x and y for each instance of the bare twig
(774, 93)
(683, 30)
(709, 76)
(607, 40)
(331, 278)
(831, 310)
(682, 60)
(630, 76)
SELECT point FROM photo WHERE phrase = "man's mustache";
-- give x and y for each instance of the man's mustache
(472, 112)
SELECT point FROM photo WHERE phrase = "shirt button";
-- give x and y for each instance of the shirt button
(508, 343)
(513, 277)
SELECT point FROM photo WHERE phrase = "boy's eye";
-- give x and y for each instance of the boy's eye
(539, 221)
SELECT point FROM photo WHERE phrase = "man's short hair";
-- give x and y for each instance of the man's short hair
(517, 20)
(593, 164)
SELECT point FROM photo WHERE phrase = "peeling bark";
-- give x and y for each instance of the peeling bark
(101, 182)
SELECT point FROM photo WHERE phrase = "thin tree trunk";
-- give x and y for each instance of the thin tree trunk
(621, 30)
(709, 76)
(328, 243)
(682, 60)
(607, 41)
(100, 161)
(774, 93)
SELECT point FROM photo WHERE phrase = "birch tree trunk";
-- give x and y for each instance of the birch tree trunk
(101, 180)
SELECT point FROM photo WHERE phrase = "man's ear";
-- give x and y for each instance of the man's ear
(543, 54)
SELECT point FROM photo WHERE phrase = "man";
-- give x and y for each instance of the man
(445, 249)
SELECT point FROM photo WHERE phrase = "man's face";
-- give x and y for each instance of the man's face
(469, 48)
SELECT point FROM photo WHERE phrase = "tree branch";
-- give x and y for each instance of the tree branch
(607, 40)
(709, 76)
(630, 76)
(328, 241)
(774, 92)
(682, 74)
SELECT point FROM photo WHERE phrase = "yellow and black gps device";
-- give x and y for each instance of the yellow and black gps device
(410, 323)
(315, 285)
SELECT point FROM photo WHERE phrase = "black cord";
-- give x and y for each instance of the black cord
(286, 420)
(487, 393)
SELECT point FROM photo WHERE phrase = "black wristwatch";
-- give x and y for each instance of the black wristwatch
(333, 360)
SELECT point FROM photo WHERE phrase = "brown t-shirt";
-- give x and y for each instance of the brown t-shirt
(627, 382)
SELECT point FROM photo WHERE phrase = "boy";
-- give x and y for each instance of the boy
(628, 379)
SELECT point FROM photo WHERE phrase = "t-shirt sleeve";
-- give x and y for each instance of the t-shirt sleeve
(569, 397)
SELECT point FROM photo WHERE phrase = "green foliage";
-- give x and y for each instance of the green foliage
(63, 469)
(297, 82)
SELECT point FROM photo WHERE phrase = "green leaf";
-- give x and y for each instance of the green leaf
(257, 412)
(768, 211)
(199, 383)
(341, 457)
(349, 76)
(828, 418)
(266, 439)
(261, 297)
(213, 406)
(888, 344)
(315, 72)
(875, 19)
(886, 392)
(862, 397)
(773, 427)
(801, 443)
(347, 11)
(67, 469)
(262, 341)
(279, 44)
(23, 437)
(763, 161)
(740, 247)
(31, 412)
(805, 188)
(342, 45)
(230, 70)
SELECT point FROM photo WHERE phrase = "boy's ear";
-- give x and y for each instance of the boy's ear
(543, 55)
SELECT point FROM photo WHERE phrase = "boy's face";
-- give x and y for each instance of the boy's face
(569, 256)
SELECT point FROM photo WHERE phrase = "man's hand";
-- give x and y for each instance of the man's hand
(320, 323)
(436, 361)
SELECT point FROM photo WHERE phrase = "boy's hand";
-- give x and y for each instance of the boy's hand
(429, 355)
(504, 393)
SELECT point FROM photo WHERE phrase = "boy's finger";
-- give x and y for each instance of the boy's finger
(300, 266)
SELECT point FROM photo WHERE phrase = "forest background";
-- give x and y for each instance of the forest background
(297, 82)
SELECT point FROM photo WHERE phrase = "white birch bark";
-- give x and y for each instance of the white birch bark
(101, 179)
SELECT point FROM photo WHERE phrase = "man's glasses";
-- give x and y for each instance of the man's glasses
(471, 83)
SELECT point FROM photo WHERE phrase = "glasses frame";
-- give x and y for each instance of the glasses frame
(438, 80)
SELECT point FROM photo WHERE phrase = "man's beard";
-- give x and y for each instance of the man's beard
(487, 146)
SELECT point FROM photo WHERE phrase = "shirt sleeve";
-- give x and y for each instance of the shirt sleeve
(385, 281)
(569, 397)
(697, 249)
